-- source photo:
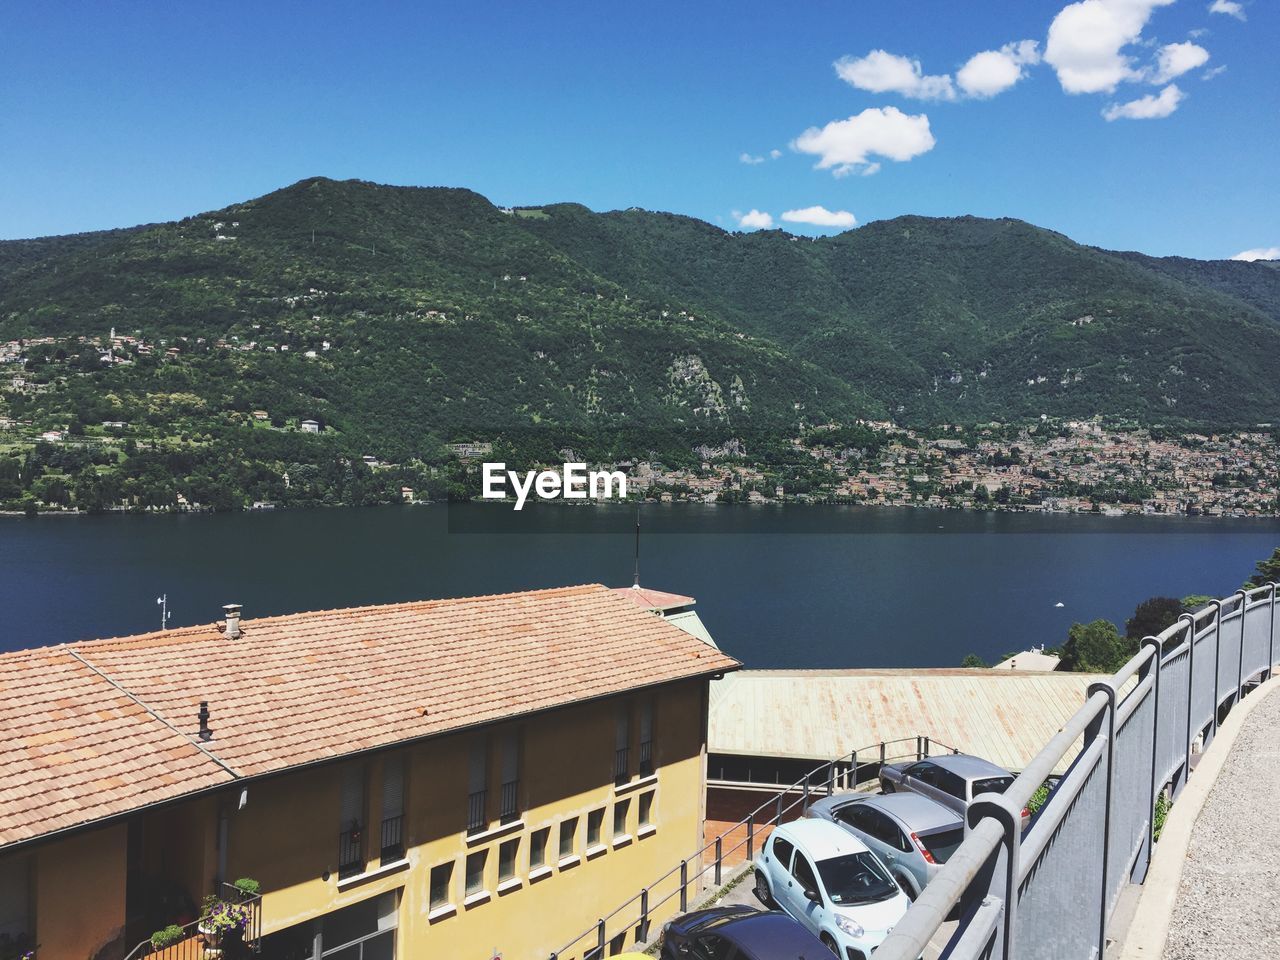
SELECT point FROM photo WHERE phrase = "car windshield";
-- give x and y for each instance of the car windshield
(856, 878)
(991, 785)
(942, 845)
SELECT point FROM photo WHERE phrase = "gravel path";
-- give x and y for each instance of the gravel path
(1228, 903)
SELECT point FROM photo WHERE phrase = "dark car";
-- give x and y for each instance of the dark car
(739, 933)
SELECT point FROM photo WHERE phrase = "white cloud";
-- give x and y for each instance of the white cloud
(994, 71)
(1229, 7)
(846, 146)
(1214, 72)
(883, 72)
(754, 219)
(775, 154)
(1258, 253)
(1151, 107)
(1087, 39)
(1175, 59)
(749, 159)
(870, 170)
(821, 217)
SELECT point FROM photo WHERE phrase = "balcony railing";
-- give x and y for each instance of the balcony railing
(646, 758)
(510, 801)
(192, 944)
(392, 839)
(621, 765)
(476, 817)
(351, 851)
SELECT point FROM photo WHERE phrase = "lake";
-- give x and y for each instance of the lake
(793, 586)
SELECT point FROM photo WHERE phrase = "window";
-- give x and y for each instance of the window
(351, 823)
(645, 809)
(620, 810)
(646, 738)
(950, 782)
(803, 872)
(782, 851)
(595, 824)
(392, 845)
(507, 853)
(509, 802)
(475, 871)
(884, 829)
(711, 947)
(622, 747)
(990, 785)
(538, 848)
(568, 837)
(362, 931)
(441, 885)
(477, 794)
(942, 845)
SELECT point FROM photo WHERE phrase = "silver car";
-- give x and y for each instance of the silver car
(953, 780)
(912, 834)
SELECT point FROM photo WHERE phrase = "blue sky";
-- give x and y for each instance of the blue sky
(122, 113)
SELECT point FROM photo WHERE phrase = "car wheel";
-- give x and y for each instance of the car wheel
(830, 944)
(763, 893)
(908, 888)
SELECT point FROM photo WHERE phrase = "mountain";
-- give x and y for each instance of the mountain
(434, 315)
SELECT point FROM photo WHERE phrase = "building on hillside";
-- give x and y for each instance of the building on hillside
(450, 778)
(310, 426)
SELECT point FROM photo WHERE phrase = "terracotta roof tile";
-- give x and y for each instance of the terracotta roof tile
(305, 688)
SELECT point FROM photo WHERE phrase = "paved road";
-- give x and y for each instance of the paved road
(1228, 904)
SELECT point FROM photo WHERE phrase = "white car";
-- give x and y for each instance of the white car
(829, 881)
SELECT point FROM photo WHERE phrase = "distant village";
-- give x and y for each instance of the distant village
(1072, 466)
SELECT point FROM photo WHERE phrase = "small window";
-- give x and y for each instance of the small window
(951, 783)
(924, 772)
(441, 885)
(942, 845)
(475, 871)
(990, 785)
(595, 824)
(711, 947)
(568, 837)
(620, 810)
(507, 853)
(538, 848)
(645, 809)
(803, 872)
(782, 850)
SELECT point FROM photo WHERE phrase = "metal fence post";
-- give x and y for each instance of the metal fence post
(1244, 606)
(1191, 691)
(1271, 640)
(718, 860)
(854, 758)
(919, 748)
(804, 807)
(831, 778)
(1156, 650)
(1110, 691)
(777, 814)
(1217, 663)
(600, 936)
(751, 836)
(882, 753)
(684, 885)
(644, 914)
(926, 748)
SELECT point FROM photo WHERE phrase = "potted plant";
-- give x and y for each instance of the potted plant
(218, 919)
(166, 936)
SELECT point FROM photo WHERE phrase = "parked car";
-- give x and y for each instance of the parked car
(827, 879)
(953, 780)
(912, 834)
(738, 933)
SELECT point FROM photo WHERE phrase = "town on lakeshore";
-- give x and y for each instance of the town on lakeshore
(1096, 465)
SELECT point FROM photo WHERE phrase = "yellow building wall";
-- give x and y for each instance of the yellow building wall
(287, 835)
(79, 889)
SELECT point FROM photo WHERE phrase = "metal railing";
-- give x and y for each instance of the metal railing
(191, 944)
(633, 918)
(476, 816)
(509, 802)
(392, 845)
(646, 758)
(351, 851)
(1133, 739)
(621, 765)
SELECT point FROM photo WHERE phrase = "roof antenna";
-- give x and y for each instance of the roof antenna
(636, 584)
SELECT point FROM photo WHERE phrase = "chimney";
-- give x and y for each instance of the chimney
(233, 621)
(203, 715)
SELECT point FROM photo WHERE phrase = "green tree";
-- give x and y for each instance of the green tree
(973, 660)
(1152, 616)
(1266, 571)
(1096, 647)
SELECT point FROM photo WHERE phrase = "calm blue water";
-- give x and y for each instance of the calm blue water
(777, 586)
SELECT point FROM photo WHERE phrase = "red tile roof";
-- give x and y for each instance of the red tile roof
(92, 729)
